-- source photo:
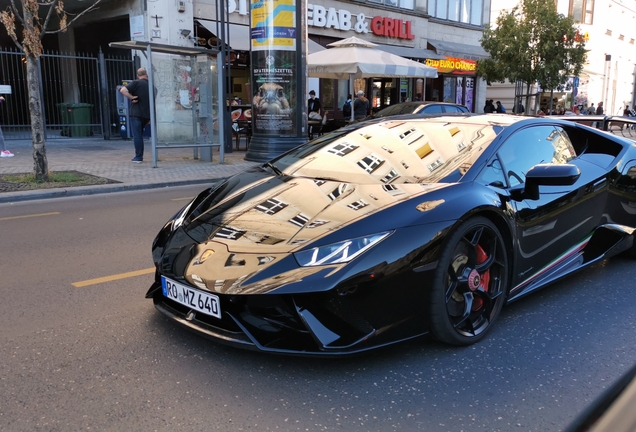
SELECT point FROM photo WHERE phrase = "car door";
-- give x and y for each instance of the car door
(553, 229)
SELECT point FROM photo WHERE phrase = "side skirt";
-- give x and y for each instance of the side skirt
(607, 241)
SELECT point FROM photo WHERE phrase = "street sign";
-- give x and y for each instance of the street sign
(576, 81)
(5, 89)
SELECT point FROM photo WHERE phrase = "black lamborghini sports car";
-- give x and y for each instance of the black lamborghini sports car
(387, 230)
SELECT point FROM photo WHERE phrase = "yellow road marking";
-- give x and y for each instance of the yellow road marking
(113, 277)
(30, 216)
(182, 199)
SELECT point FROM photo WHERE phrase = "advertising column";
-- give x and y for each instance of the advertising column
(278, 58)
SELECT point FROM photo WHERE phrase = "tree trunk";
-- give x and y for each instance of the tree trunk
(40, 163)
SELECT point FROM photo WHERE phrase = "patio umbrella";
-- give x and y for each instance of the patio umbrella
(353, 58)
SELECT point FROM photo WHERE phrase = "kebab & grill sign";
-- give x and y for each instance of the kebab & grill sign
(341, 19)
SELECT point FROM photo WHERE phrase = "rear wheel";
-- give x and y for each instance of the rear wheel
(470, 283)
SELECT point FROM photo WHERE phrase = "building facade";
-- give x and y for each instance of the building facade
(444, 34)
(609, 29)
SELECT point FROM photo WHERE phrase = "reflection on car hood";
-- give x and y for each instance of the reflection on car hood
(435, 150)
(262, 218)
(279, 214)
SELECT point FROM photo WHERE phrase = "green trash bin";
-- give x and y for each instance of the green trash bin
(77, 119)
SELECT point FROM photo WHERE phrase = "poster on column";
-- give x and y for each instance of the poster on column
(273, 25)
(273, 40)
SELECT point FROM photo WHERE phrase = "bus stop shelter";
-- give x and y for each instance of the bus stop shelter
(185, 111)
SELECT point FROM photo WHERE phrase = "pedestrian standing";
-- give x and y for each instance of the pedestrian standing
(489, 108)
(627, 112)
(139, 95)
(346, 108)
(599, 108)
(3, 149)
(360, 106)
(591, 110)
(500, 108)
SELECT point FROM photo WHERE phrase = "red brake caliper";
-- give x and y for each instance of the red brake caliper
(484, 279)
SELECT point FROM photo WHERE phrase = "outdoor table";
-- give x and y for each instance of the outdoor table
(242, 118)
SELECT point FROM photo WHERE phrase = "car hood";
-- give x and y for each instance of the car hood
(239, 239)
(261, 212)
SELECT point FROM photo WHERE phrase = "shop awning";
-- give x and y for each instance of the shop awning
(239, 37)
(453, 49)
(314, 47)
(414, 53)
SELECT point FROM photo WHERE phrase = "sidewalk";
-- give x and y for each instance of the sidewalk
(111, 159)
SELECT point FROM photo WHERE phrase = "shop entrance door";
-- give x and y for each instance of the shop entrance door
(384, 93)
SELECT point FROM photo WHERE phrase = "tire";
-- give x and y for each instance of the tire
(470, 283)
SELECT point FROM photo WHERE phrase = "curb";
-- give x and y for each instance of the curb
(11, 197)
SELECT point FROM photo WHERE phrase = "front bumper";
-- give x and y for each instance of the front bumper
(317, 324)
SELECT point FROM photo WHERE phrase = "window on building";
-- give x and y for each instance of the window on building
(370, 163)
(464, 11)
(582, 11)
(357, 205)
(271, 206)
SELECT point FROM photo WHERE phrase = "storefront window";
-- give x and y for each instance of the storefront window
(419, 89)
(465, 11)
(470, 94)
(327, 94)
(458, 96)
(449, 89)
(343, 92)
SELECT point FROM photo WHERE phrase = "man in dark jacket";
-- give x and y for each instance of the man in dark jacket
(360, 106)
(313, 104)
(599, 109)
(489, 108)
(137, 92)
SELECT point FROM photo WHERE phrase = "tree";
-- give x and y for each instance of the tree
(33, 30)
(532, 43)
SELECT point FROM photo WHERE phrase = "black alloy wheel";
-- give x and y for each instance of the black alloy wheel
(470, 283)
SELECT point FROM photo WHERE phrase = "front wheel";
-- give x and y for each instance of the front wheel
(469, 284)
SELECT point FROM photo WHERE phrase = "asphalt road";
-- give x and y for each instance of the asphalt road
(99, 357)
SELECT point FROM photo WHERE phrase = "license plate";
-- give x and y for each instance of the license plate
(193, 298)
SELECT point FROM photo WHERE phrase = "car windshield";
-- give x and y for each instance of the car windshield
(397, 109)
(393, 151)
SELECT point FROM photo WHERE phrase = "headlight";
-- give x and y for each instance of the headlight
(178, 219)
(340, 252)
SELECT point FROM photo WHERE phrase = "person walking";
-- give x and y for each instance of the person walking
(139, 95)
(360, 106)
(591, 110)
(347, 108)
(3, 149)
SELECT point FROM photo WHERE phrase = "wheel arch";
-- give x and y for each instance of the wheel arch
(502, 223)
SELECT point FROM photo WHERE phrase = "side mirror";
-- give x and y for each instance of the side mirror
(545, 175)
